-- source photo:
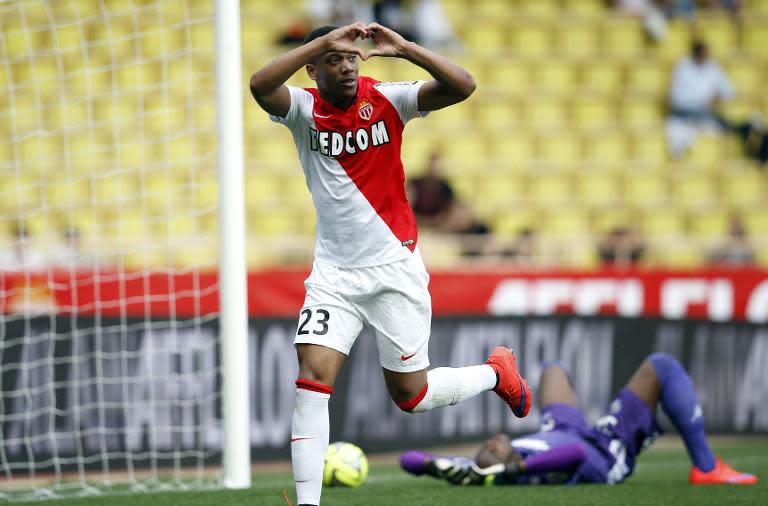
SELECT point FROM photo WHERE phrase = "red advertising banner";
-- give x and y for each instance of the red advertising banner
(711, 294)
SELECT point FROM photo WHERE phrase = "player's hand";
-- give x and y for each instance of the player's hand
(388, 42)
(463, 475)
(343, 39)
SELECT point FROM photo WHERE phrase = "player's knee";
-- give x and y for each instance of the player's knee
(662, 363)
(408, 400)
(315, 376)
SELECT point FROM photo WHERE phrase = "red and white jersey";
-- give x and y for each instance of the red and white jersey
(351, 161)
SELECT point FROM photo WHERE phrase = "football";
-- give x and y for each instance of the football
(345, 465)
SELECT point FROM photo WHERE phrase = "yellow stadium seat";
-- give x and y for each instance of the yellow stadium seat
(756, 40)
(695, 190)
(511, 222)
(720, 34)
(202, 37)
(132, 154)
(262, 191)
(128, 225)
(676, 43)
(531, 40)
(555, 76)
(164, 117)
(24, 110)
(510, 76)
(67, 115)
(114, 39)
(498, 115)
(111, 111)
(585, 8)
(545, 114)
(594, 113)
(577, 40)
(206, 192)
(499, 191)
(161, 191)
(638, 113)
(739, 107)
(601, 77)
(492, 10)
(567, 221)
(745, 189)
(709, 225)
(544, 9)
(110, 190)
(273, 224)
(177, 224)
(598, 188)
(649, 148)
(21, 194)
(89, 154)
(560, 149)
(757, 7)
(708, 150)
(196, 256)
(679, 255)
(757, 223)
(66, 193)
(646, 189)
(747, 77)
(466, 148)
(623, 38)
(606, 149)
(551, 188)
(415, 151)
(649, 78)
(486, 40)
(513, 150)
(663, 222)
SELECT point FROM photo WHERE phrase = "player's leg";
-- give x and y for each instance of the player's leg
(662, 379)
(401, 316)
(555, 386)
(326, 331)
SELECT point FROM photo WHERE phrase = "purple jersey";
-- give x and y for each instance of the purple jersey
(611, 445)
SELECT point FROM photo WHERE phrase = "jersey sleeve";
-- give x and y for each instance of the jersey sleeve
(302, 102)
(404, 96)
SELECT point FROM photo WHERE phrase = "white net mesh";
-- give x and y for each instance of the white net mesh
(108, 245)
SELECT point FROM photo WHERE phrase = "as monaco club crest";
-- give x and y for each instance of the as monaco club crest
(366, 109)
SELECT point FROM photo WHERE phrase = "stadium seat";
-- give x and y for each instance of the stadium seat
(557, 77)
(649, 148)
(567, 222)
(709, 225)
(757, 223)
(546, 113)
(531, 40)
(598, 188)
(206, 192)
(513, 220)
(560, 148)
(676, 43)
(603, 77)
(646, 189)
(746, 75)
(606, 149)
(486, 40)
(577, 40)
(694, 190)
(745, 189)
(755, 37)
(514, 149)
(647, 78)
(66, 193)
(584, 9)
(639, 113)
(509, 76)
(663, 222)
(720, 34)
(622, 38)
(593, 113)
(551, 189)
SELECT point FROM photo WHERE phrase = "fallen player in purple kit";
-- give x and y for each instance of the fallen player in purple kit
(567, 450)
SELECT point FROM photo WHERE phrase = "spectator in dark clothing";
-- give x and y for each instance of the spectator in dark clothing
(436, 207)
(736, 249)
(621, 248)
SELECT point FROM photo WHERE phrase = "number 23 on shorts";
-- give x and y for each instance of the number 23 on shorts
(319, 323)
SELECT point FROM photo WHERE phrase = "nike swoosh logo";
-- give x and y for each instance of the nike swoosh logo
(294, 439)
(408, 357)
(321, 116)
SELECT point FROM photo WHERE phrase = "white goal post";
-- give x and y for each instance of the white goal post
(123, 300)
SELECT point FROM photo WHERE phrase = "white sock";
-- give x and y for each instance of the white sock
(309, 442)
(450, 385)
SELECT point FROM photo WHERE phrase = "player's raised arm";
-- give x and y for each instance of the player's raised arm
(268, 84)
(452, 83)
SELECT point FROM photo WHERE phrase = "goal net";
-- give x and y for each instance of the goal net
(109, 348)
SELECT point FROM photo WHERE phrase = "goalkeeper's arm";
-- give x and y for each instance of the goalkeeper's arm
(560, 462)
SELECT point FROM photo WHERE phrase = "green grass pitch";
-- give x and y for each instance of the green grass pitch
(660, 478)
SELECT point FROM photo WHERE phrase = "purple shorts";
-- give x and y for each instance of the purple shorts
(617, 437)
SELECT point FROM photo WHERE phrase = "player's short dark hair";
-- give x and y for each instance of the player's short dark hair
(318, 32)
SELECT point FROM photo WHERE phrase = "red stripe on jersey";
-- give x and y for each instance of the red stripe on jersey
(378, 170)
(314, 386)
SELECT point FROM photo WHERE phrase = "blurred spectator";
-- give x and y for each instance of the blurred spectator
(392, 14)
(436, 207)
(69, 253)
(698, 85)
(736, 249)
(432, 26)
(22, 253)
(621, 248)
(524, 248)
(654, 22)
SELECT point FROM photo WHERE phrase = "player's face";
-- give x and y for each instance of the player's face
(336, 75)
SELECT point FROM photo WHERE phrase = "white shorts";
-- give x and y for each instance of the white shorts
(392, 300)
